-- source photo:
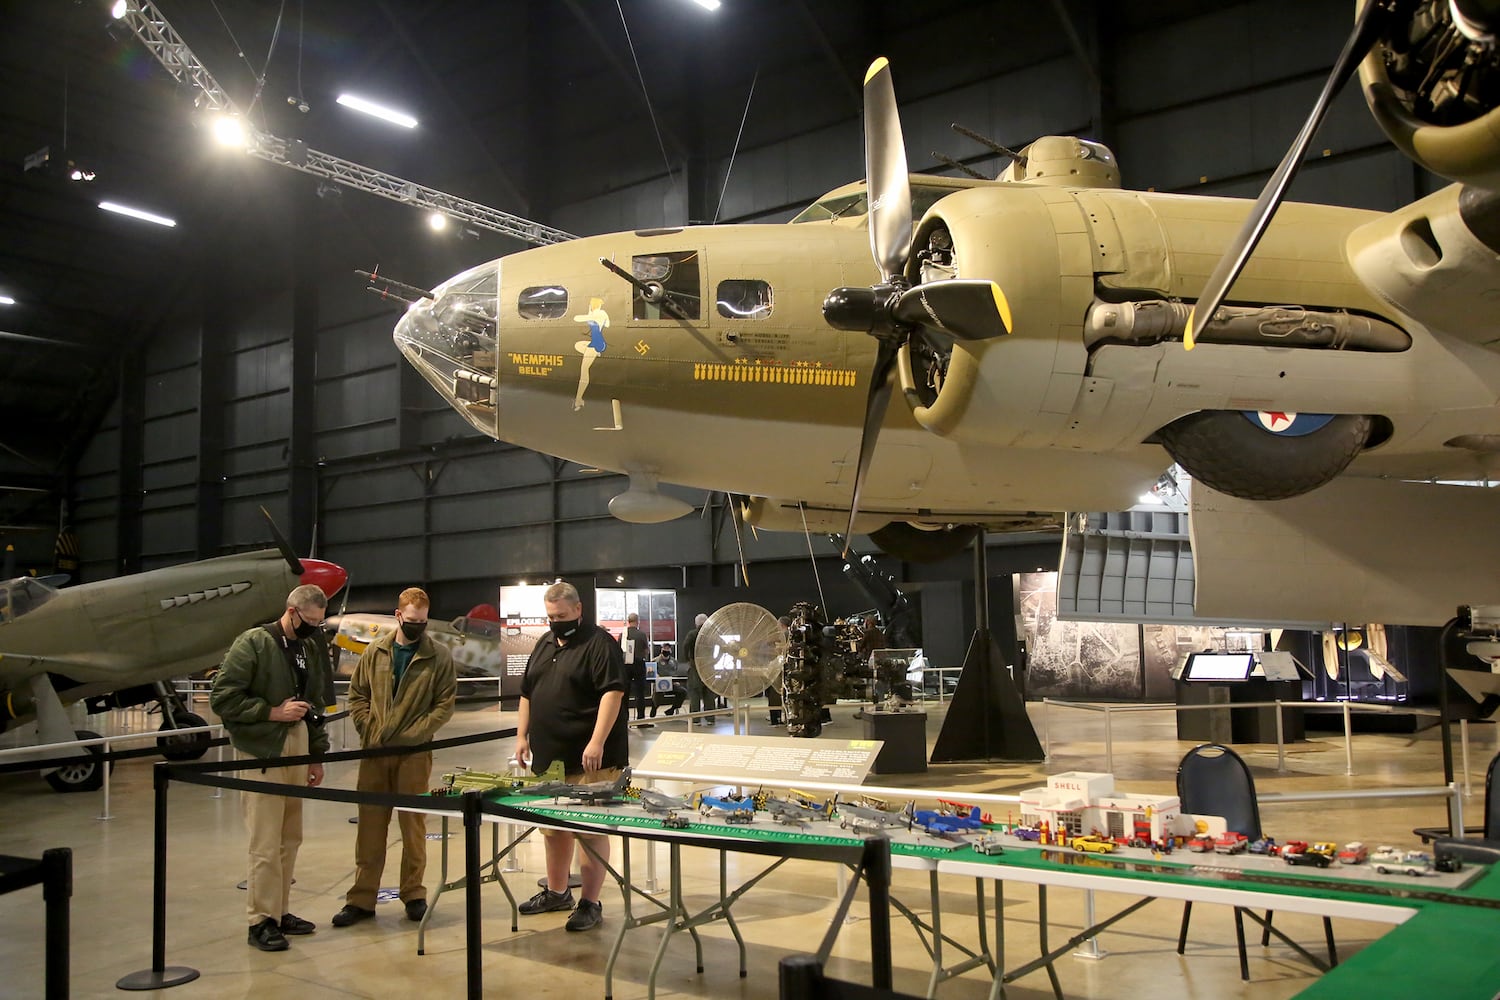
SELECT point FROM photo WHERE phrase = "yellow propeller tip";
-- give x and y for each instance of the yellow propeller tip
(880, 63)
(1002, 306)
(1187, 331)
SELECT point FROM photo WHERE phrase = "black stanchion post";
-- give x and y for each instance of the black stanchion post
(159, 977)
(57, 890)
(801, 977)
(472, 817)
(877, 866)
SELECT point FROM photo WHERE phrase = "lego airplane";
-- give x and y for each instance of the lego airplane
(116, 642)
(1054, 341)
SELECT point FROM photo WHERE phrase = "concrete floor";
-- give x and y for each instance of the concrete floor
(790, 911)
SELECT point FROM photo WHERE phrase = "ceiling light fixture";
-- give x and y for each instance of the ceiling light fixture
(437, 221)
(6, 300)
(378, 111)
(708, 4)
(119, 10)
(136, 213)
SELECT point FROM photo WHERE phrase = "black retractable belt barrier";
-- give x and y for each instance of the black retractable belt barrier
(55, 874)
(160, 976)
(473, 817)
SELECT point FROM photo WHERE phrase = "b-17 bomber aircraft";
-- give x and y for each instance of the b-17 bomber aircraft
(116, 642)
(1053, 342)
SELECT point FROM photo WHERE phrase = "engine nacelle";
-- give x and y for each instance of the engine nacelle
(1433, 85)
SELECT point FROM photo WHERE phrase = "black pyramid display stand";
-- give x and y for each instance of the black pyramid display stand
(987, 717)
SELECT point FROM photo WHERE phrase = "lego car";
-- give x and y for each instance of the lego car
(1413, 863)
(1202, 844)
(1354, 853)
(1319, 855)
(1230, 842)
(1093, 845)
(1026, 833)
(1265, 845)
(988, 845)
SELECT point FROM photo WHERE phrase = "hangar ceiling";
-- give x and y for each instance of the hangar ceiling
(522, 106)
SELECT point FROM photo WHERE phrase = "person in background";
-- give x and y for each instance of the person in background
(261, 693)
(571, 710)
(401, 694)
(634, 645)
(698, 697)
(668, 687)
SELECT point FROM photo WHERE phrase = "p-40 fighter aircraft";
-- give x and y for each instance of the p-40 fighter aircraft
(1054, 342)
(116, 642)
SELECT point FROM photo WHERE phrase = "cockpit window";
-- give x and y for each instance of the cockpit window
(22, 595)
(671, 283)
(852, 206)
(543, 302)
(744, 298)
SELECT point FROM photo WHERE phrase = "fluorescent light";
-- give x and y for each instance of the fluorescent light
(378, 111)
(6, 300)
(136, 213)
(707, 4)
(1149, 498)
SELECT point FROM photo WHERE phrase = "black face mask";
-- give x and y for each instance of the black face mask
(565, 630)
(413, 630)
(306, 629)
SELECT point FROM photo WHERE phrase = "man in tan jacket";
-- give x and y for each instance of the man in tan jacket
(401, 694)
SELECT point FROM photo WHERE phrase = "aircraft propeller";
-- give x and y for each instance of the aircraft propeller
(1368, 27)
(285, 547)
(894, 311)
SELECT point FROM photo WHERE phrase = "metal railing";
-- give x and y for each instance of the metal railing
(1346, 709)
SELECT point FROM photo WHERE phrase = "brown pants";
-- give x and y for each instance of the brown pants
(274, 823)
(406, 774)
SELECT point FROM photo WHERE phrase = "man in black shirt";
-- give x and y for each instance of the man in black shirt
(636, 655)
(573, 688)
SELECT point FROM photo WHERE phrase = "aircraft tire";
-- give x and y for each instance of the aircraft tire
(190, 747)
(917, 545)
(85, 776)
(1228, 452)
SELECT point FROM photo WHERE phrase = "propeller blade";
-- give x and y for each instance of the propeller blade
(885, 172)
(1367, 28)
(880, 397)
(739, 538)
(287, 552)
(964, 309)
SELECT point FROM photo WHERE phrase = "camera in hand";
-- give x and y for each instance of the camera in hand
(312, 716)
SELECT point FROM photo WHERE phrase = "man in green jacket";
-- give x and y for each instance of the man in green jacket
(401, 693)
(266, 693)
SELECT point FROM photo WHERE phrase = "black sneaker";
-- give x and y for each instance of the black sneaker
(546, 901)
(351, 914)
(590, 914)
(267, 936)
(293, 924)
(416, 909)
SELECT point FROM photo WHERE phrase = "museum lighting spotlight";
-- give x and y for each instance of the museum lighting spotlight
(437, 222)
(376, 110)
(708, 4)
(6, 300)
(119, 9)
(229, 131)
(136, 213)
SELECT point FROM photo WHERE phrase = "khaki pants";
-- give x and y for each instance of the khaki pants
(274, 823)
(406, 774)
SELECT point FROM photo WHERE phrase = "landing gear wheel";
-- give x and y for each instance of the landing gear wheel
(1230, 451)
(919, 545)
(189, 747)
(84, 775)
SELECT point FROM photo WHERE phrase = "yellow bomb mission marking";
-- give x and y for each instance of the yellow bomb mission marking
(830, 377)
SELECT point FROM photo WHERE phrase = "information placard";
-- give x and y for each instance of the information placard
(776, 760)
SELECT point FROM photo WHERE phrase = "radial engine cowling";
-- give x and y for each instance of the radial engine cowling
(1433, 84)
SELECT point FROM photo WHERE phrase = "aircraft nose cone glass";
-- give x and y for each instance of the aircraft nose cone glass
(453, 341)
(331, 577)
